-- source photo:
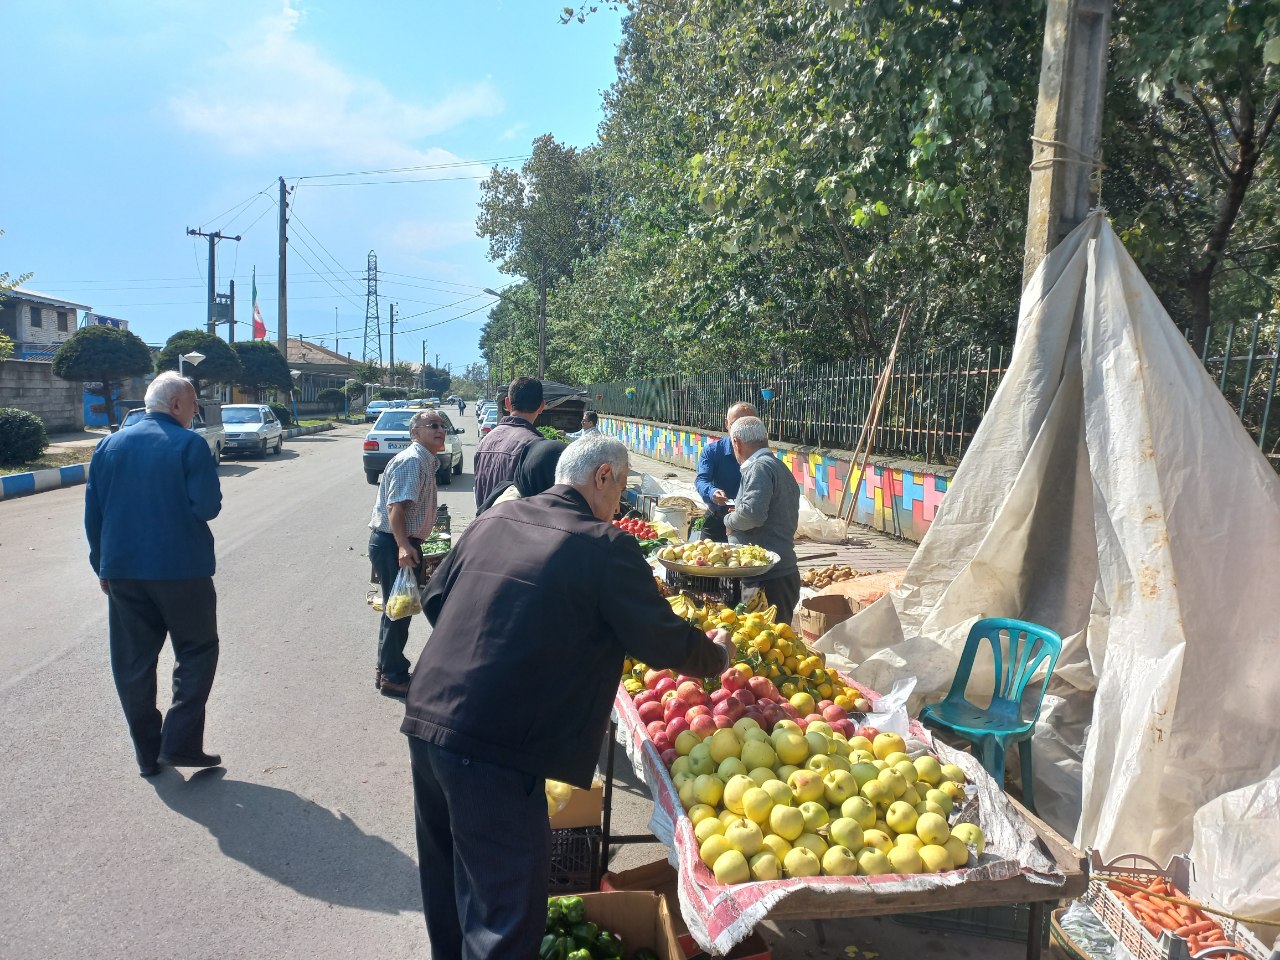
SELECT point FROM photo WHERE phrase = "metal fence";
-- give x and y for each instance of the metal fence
(934, 401)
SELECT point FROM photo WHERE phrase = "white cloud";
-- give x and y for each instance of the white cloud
(416, 237)
(278, 93)
(514, 131)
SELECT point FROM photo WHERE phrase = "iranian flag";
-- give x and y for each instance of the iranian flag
(259, 328)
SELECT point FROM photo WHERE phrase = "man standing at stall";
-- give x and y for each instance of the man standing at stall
(533, 612)
(766, 513)
(497, 454)
(403, 517)
(718, 476)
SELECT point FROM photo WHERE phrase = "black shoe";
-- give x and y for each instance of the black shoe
(392, 689)
(191, 760)
(150, 770)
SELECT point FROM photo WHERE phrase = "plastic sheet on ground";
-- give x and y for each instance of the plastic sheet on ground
(721, 916)
(1110, 493)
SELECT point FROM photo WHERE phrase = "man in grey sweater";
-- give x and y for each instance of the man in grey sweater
(766, 513)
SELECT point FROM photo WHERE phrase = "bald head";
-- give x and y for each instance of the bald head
(737, 412)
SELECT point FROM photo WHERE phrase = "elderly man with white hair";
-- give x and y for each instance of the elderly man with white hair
(534, 610)
(152, 490)
(766, 513)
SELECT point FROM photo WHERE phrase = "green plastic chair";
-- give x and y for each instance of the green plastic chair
(1018, 649)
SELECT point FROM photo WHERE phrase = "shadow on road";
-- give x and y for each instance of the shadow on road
(295, 842)
(229, 468)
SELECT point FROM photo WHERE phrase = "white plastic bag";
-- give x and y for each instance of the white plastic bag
(403, 600)
(1235, 847)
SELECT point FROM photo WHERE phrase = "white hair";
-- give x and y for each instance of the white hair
(582, 458)
(164, 390)
(749, 430)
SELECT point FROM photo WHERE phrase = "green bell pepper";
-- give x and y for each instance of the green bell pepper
(584, 935)
(555, 912)
(580, 955)
(644, 953)
(573, 909)
(549, 949)
(608, 946)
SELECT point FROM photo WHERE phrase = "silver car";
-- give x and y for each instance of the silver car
(251, 428)
(390, 435)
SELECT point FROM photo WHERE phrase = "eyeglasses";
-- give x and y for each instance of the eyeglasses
(434, 425)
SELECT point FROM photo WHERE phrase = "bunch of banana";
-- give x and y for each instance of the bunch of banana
(686, 608)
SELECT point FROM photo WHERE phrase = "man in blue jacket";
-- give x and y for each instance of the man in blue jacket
(152, 489)
(718, 476)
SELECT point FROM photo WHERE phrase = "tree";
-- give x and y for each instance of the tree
(101, 357)
(435, 380)
(390, 393)
(333, 397)
(221, 364)
(354, 390)
(367, 371)
(262, 367)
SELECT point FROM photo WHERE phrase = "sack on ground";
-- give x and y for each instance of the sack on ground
(403, 600)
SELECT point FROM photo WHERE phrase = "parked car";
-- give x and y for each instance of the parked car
(207, 423)
(482, 407)
(252, 428)
(489, 422)
(374, 409)
(390, 435)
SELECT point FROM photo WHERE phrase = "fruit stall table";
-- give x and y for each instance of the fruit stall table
(1049, 868)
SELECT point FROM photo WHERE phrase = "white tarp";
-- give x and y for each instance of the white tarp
(1110, 493)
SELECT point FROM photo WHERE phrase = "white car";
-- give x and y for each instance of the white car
(390, 435)
(251, 428)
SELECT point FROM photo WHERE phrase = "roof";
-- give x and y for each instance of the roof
(35, 296)
(304, 351)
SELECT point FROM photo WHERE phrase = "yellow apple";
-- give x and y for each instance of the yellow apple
(839, 762)
(711, 827)
(877, 839)
(701, 811)
(959, 852)
(727, 816)
(952, 772)
(864, 773)
(912, 795)
(838, 786)
(819, 743)
(901, 817)
(970, 834)
(872, 861)
(745, 835)
(952, 789)
(806, 785)
(935, 858)
(860, 810)
(905, 860)
(894, 781)
(765, 866)
(860, 743)
(731, 867)
(813, 842)
(761, 775)
(839, 861)
(786, 822)
(906, 768)
(743, 724)
(894, 759)
(815, 815)
(757, 754)
(932, 828)
(708, 789)
(800, 862)
(941, 798)
(711, 848)
(679, 765)
(878, 793)
(928, 806)
(887, 743)
(847, 833)
(790, 746)
(685, 791)
(787, 724)
(908, 840)
(820, 763)
(928, 769)
(776, 844)
(803, 702)
(756, 804)
(780, 792)
(757, 735)
(820, 726)
(685, 742)
(725, 743)
(785, 771)
(731, 767)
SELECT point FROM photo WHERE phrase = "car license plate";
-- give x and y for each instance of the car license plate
(397, 444)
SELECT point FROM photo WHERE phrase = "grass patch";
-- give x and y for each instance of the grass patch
(52, 458)
(310, 423)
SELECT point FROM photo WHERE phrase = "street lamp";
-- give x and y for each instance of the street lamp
(192, 358)
(293, 394)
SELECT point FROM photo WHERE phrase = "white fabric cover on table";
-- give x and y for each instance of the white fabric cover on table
(1110, 493)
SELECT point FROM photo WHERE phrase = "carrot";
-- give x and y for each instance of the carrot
(1153, 928)
(1204, 926)
(1193, 945)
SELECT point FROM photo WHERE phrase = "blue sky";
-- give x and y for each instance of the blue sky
(129, 121)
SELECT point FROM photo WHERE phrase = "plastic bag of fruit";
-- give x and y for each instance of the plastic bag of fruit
(558, 795)
(403, 600)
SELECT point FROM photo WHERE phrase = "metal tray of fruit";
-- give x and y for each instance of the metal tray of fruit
(711, 570)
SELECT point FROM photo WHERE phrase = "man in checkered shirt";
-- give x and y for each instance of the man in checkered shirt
(402, 519)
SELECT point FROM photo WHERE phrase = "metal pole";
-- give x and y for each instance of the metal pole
(542, 321)
(282, 334)
(213, 269)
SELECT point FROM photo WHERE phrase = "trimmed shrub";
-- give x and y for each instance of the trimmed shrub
(333, 397)
(22, 436)
(282, 414)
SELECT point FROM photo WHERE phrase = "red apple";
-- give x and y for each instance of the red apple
(698, 710)
(643, 697)
(823, 704)
(722, 722)
(762, 687)
(669, 756)
(650, 712)
(802, 723)
(810, 717)
(846, 727)
(652, 677)
(744, 697)
(789, 709)
(833, 713)
(732, 679)
(663, 685)
(869, 732)
(675, 707)
(676, 726)
(655, 728)
(685, 678)
(703, 725)
(719, 696)
(731, 708)
(662, 743)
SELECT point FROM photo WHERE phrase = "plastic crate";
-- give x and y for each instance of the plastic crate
(1005, 922)
(574, 856)
(1130, 931)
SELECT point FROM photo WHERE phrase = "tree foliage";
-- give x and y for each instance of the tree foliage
(262, 367)
(221, 364)
(776, 180)
(101, 357)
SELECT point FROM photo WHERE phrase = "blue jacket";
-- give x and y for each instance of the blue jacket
(718, 470)
(152, 488)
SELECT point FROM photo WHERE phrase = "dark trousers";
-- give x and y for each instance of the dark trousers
(783, 591)
(392, 634)
(140, 614)
(713, 527)
(484, 855)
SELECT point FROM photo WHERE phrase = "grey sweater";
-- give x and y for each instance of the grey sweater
(767, 510)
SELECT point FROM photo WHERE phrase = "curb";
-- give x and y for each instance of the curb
(39, 481)
(55, 478)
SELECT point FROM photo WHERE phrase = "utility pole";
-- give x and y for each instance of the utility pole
(542, 321)
(213, 270)
(391, 364)
(282, 334)
(335, 331)
(424, 365)
(372, 320)
(1067, 145)
(231, 319)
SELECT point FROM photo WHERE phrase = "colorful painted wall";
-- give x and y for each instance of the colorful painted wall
(897, 500)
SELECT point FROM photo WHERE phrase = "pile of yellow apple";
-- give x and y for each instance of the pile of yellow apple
(808, 803)
(707, 553)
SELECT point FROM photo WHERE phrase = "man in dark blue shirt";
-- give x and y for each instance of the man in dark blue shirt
(718, 476)
(152, 489)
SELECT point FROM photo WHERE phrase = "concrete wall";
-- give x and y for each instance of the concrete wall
(30, 385)
(899, 497)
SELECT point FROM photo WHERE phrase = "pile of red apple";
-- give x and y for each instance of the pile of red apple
(671, 704)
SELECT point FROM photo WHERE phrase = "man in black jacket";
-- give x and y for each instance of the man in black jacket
(533, 610)
(498, 454)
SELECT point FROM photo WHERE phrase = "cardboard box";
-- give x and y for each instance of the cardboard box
(660, 877)
(584, 809)
(639, 917)
(819, 614)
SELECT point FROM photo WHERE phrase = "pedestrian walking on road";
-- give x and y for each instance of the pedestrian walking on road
(498, 453)
(538, 602)
(152, 490)
(403, 516)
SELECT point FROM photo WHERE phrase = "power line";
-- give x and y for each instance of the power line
(425, 166)
(378, 183)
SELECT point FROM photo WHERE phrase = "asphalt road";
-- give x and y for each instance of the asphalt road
(302, 846)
